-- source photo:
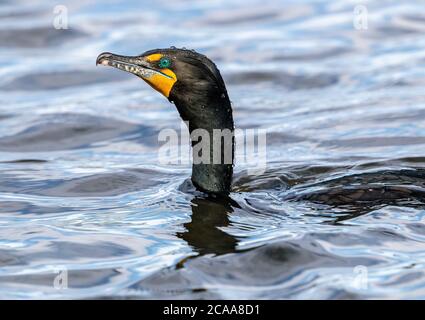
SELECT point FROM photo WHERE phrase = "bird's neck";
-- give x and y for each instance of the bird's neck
(212, 167)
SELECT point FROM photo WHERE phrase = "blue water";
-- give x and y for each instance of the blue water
(82, 194)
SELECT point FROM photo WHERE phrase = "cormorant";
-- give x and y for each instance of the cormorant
(194, 84)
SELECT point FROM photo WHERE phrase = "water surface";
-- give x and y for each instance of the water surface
(81, 189)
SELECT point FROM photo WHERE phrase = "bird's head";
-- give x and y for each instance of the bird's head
(172, 72)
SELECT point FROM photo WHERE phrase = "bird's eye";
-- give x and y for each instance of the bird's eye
(164, 63)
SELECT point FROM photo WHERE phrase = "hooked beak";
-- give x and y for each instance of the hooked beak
(134, 65)
(161, 80)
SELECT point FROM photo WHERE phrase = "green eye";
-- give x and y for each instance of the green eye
(164, 63)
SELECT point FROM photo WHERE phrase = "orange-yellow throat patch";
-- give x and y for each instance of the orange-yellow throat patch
(162, 83)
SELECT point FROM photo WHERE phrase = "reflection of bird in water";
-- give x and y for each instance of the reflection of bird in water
(193, 83)
(203, 233)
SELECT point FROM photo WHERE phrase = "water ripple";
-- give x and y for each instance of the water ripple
(81, 189)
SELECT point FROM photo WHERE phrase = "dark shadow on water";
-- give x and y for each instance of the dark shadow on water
(66, 131)
(105, 184)
(60, 80)
(25, 161)
(342, 214)
(38, 37)
(287, 80)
